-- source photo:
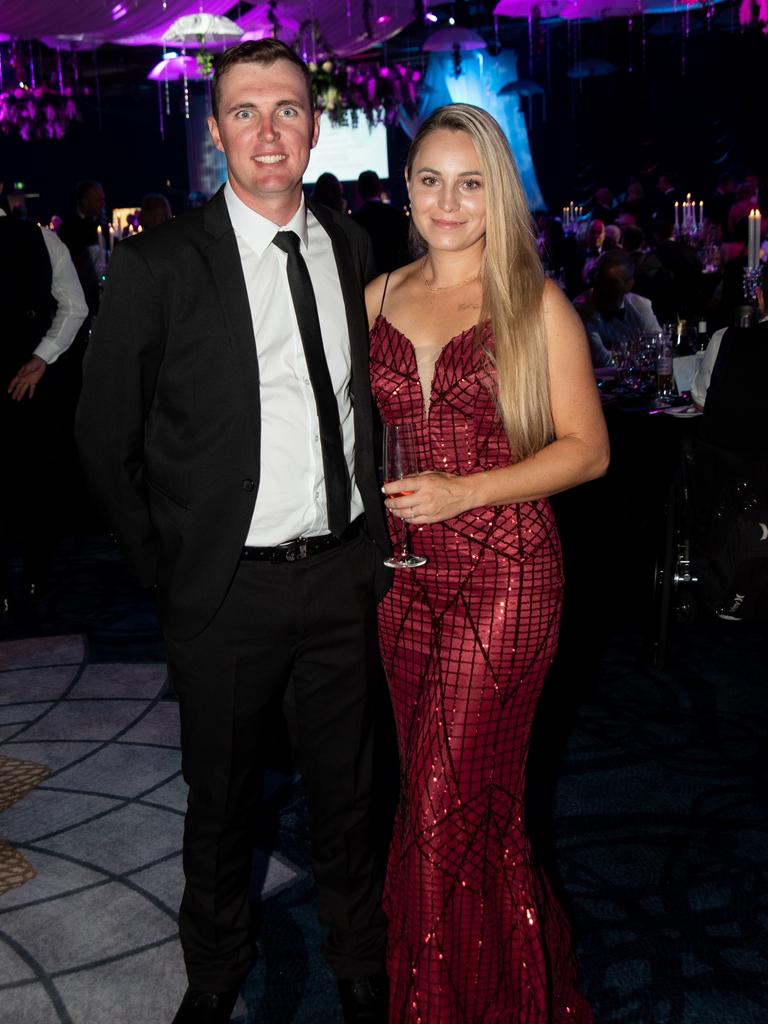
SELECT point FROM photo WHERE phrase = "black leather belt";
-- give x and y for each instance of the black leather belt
(303, 547)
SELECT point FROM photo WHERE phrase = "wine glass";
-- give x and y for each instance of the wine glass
(401, 459)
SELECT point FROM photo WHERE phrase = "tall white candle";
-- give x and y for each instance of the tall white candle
(751, 247)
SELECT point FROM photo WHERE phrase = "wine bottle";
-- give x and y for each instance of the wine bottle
(702, 337)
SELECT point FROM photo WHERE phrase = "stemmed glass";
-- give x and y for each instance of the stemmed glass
(401, 459)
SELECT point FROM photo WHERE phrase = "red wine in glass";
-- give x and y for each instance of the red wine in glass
(401, 459)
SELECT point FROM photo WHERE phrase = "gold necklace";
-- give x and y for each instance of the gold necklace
(445, 287)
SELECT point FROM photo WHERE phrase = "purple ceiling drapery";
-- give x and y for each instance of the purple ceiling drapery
(342, 23)
(105, 20)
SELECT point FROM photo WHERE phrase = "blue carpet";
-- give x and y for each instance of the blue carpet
(647, 797)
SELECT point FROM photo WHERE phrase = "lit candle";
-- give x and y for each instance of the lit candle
(756, 229)
(677, 215)
(111, 237)
(701, 213)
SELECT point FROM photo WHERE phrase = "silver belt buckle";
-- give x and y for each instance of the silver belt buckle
(297, 551)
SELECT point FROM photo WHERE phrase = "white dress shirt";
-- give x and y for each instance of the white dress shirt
(705, 366)
(71, 309)
(291, 500)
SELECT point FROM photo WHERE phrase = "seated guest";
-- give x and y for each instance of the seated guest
(155, 209)
(636, 205)
(612, 237)
(721, 201)
(560, 256)
(652, 279)
(666, 196)
(329, 191)
(610, 310)
(626, 220)
(729, 383)
(387, 225)
(603, 207)
(593, 247)
(683, 298)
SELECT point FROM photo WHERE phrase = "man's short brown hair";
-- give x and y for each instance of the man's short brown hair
(260, 51)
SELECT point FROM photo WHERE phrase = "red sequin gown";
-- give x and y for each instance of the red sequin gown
(476, 935)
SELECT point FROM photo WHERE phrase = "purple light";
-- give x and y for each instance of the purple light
(430, 16)
(119, 11)
(382, 19)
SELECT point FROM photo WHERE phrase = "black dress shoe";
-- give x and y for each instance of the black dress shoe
(205, 1007)
(365, 1000)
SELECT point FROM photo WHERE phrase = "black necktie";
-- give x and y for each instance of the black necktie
(334, 462)
(614, 314)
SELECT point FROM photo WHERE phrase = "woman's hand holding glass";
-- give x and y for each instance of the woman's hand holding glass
(429, 497)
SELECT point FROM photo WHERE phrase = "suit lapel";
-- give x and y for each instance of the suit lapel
(226, 268)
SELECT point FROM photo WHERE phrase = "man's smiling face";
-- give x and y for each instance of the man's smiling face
(266, 128)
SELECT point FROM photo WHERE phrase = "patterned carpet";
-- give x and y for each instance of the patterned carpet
(647, 797)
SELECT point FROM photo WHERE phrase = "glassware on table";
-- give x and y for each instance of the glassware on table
(665, 383)
(625, 357)
(401, 459)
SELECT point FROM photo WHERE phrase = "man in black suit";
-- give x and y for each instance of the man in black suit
(226, 426)
(386, 224)
(80, 234)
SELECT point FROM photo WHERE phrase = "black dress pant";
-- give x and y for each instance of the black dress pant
(302, 633)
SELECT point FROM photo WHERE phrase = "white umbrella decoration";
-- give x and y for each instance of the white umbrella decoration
(201, 30)
(454, 39)
(172, 68)
(526, 88)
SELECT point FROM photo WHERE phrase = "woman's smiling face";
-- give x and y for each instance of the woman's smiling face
(447, 191)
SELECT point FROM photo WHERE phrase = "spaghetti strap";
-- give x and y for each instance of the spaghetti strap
(384, 293)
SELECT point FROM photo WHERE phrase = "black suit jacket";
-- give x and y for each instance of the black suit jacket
(169, 424)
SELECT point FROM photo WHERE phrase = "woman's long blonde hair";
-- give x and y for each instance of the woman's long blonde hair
(512, 279)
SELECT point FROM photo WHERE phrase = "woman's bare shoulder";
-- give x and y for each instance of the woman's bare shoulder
(391, 283)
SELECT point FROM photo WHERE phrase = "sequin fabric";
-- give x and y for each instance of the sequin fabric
(476, 936)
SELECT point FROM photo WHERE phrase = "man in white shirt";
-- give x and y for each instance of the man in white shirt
(41, 308)
(226, 427)
(610, 310)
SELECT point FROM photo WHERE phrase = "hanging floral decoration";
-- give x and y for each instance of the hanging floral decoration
(39, 113)
(31, 107)
(204, 59)
(345, 90)
(377, 91)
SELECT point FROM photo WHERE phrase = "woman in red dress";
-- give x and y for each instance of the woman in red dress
(488, 359)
